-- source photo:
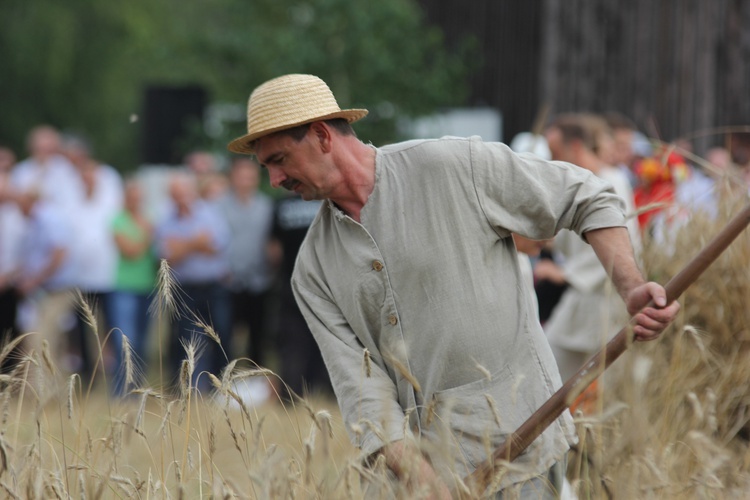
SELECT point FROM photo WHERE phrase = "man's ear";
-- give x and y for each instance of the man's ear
(322, 134)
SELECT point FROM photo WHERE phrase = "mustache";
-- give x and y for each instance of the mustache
(289, 184)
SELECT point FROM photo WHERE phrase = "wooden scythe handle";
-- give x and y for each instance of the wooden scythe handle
(517, 442)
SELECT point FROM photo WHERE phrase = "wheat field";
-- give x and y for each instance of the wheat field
(671, 419)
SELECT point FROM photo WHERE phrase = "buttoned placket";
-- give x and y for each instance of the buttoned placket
(377, 265)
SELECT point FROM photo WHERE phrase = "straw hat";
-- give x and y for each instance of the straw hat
(286, 102)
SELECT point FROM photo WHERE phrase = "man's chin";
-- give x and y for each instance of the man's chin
(308, 194)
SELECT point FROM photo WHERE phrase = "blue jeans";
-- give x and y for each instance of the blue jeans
(211, 303)
(129, 317)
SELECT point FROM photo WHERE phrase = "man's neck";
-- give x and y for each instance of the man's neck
(357, 170)
(243, 196)
(184, 211)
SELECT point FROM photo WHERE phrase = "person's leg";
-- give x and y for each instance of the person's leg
(78, 344)
(123, 310)
(256, 313)
(240, 322)
(219, 312)
(206, 304)
(302, 366)
(8, 330)
(52, 310)
(190, 334)
(142, 323)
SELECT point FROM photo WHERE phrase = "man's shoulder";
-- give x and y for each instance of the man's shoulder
(428, 145)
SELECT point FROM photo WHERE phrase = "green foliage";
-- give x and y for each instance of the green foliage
(83, 64)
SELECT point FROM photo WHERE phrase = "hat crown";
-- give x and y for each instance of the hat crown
(289, 97)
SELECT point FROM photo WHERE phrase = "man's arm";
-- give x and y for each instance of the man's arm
(365, 395)
(408, 463)
(612, 246)
(30, 283)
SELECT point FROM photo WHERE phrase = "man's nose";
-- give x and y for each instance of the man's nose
(276, 176)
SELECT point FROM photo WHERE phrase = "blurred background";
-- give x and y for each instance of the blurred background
(148, 82)
(137, 101)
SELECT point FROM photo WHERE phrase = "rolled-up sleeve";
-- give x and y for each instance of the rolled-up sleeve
(368, 397)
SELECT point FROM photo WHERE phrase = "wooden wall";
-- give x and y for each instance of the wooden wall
(676, 67)
(507, 69)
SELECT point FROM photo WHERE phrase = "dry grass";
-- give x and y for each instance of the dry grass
(672, 420)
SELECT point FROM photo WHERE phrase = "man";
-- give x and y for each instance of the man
(46, 273)
(249, 215)
(409, 279)
(194, 240)
(589, 312)
(94, 253)
(302, 367)
(11, 232)
(212, 184)
(46, 171)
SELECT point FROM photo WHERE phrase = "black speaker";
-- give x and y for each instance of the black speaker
(170, 116)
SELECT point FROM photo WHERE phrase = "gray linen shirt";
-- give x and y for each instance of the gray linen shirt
(429, 284)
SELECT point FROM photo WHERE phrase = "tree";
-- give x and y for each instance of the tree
(83, 64)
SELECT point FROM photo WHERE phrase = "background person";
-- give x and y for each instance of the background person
(46, 275)
(134, 282)
(92, 208)
(249, 215)
(11, 231)
(194, 239)
(46, 171)
(302, 366)
(590, 311)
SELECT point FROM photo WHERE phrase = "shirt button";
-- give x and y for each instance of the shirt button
(392, 319)
(377, 265)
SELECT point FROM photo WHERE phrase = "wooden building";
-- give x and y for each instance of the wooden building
(678, 68)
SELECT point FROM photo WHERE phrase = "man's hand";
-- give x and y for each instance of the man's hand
(647, 303)
(408, 463)
(547, 270)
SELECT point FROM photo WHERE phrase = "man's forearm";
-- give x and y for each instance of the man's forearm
(615, 251)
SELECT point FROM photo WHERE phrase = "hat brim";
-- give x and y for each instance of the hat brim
(242, 144)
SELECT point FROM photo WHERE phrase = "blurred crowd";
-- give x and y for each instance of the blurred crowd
(81, 256)
(663, 186)
(70, 223)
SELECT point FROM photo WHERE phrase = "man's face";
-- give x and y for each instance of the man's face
(245, 175)
(183, 193)
(557, 147)
(133, 197)
(623, 149)
(44, 143)
(296, 166)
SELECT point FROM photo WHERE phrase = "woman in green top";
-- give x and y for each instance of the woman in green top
(136, 274)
